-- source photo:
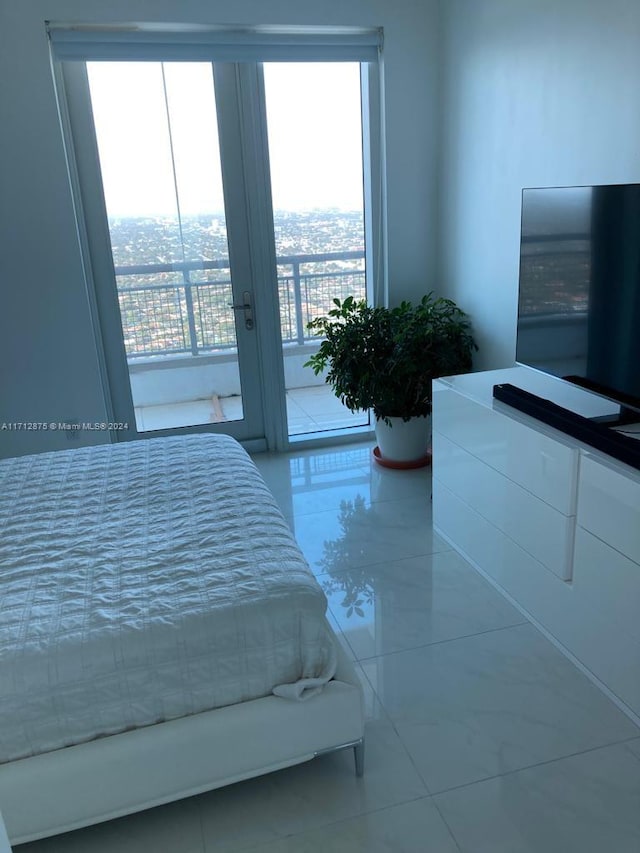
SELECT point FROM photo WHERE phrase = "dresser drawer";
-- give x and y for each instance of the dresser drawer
(534, 525)
(609, 505)
(544, 466)
(610, 581)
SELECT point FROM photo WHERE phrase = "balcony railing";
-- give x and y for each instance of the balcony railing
(183, 308)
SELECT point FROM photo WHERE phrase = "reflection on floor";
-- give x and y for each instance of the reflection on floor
(481, 736)
(309, 410)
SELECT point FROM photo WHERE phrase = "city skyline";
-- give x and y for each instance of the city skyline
(140, 240)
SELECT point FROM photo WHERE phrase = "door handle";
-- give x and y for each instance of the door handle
(247, 307)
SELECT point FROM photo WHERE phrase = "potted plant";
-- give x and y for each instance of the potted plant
(386, 358)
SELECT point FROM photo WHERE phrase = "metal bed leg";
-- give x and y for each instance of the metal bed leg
(358, 753)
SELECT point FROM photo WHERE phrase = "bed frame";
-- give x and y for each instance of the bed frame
(116, 775)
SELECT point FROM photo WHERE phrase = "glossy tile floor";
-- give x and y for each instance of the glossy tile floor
(481, 736)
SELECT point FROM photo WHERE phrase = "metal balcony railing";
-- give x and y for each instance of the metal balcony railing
(183, 308)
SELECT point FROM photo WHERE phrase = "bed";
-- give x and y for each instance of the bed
(160, 633)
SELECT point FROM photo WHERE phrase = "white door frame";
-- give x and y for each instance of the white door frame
(245, 163)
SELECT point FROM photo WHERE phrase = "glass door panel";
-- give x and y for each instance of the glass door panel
(159, 152)
(314, 120)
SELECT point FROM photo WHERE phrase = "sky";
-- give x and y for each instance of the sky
(314, 128)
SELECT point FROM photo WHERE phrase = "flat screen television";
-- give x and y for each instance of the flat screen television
(579, 293)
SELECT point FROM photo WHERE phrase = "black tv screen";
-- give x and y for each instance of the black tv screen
(579, 294)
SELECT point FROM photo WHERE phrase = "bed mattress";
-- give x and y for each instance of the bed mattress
(146, 581)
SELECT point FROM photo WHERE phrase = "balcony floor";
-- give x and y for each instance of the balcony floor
(309, 410)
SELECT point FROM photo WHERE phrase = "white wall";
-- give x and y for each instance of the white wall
(48, 363)
(535, 93)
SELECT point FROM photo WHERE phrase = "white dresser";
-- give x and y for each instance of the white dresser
(551, 521)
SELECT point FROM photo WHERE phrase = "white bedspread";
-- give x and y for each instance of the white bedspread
(144, 581)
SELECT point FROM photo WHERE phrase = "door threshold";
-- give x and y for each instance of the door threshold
(332, 437)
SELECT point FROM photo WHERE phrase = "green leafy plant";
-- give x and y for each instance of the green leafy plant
(385, 358)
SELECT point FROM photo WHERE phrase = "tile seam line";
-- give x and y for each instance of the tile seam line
(382, 562)
(333, 823)
(357, 568)
(299, 514)
(591, 749)
(446, 823)
(628, 748)
(440, 642)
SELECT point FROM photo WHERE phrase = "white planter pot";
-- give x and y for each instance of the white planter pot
(404, 441)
